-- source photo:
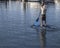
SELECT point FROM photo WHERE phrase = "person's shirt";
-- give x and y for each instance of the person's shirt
(43, 9)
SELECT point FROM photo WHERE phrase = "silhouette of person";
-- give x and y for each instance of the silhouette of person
(43, 14)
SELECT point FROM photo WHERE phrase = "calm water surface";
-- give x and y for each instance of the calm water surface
(16, 19)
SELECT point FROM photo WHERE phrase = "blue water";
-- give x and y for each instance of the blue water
(16, 19)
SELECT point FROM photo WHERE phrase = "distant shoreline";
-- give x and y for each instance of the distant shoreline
(29, 1)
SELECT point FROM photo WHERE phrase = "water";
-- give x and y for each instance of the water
(16, 19)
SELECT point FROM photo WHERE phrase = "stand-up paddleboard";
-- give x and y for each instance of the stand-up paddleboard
(48, 27)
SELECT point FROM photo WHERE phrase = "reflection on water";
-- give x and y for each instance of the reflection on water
(43, 38)
(15, 20)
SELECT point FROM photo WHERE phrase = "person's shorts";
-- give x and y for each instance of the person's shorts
(43, 17)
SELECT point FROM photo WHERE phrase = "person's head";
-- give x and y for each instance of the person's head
(42, 4)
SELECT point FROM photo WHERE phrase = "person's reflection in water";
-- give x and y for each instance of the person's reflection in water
(43, 38)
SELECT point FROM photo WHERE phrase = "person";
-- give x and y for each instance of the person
(43, 14)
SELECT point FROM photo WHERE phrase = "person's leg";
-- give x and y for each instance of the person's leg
(45, 23)
(44, 20)
(41, 21)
